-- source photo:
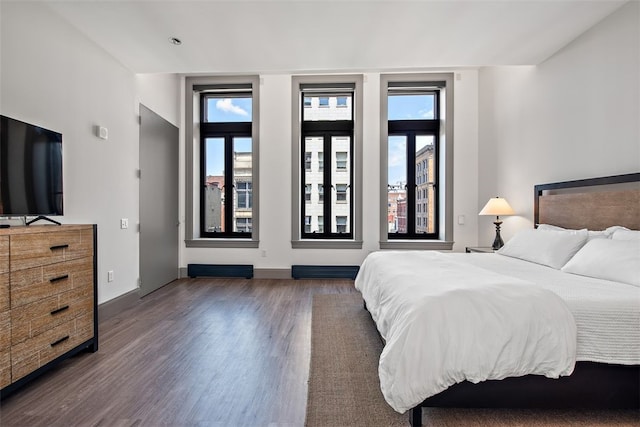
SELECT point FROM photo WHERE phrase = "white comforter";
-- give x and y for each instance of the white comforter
(459, 322)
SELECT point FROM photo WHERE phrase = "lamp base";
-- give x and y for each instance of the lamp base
(497, 242)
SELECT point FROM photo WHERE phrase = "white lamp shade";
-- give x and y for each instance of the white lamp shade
(497, 206)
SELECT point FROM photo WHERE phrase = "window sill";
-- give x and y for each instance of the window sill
(326, 244)
(417, 244)
(221, 243)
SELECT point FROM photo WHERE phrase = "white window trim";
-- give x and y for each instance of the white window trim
(296, 241)
(445, 241)
(192, 170)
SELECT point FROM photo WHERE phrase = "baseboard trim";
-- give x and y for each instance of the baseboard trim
(114, 307)
(272, 273)
(324, 271)
(220, 270)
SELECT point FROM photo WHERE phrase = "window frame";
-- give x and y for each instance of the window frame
(228, 132)
(412, 129)
(355, 83)
(194, 87)
(443, 83)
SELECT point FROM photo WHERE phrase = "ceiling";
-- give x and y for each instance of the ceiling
(271, 36)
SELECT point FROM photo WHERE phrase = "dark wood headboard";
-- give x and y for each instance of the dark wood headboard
(595, 203)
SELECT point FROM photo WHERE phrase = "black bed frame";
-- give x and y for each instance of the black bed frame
(591, 385)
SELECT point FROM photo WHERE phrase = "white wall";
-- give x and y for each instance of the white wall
(574, 116)
(161, 93)
(56, 78)
(275, 178)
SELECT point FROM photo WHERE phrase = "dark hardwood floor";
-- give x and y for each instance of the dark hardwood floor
(198, 352)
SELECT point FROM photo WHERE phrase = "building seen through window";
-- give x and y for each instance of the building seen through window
(327, 136)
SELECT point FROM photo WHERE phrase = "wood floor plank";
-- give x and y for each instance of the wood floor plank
(210, 352)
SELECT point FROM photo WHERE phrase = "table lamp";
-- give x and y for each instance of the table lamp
(497, 206)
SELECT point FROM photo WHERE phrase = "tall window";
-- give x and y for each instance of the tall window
(226, 157)
(415, 131)
(327, 122)
(327, 134)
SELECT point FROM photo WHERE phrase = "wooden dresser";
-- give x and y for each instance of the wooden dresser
(48, 299)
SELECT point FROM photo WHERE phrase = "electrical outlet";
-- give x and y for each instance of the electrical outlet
(110, 276)
(124, 223)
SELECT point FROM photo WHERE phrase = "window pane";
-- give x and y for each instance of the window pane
(213, 185)
(425, 179)
(327, 108)
(313, 181)
(341, 184)
(341, 160)
(242, 169)
(307, 160)
(341, 193)
(396, 186)
(307, 192)
(243, 225)
(219, 109)
(411, 107)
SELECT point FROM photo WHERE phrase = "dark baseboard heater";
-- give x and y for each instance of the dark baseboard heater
(324, 271)
(220, 270)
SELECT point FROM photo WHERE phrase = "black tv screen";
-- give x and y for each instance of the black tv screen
(30, 169)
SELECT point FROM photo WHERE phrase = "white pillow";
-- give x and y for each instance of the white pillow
(609, 259)
(626, 234)
(547, 247)
(593, 234)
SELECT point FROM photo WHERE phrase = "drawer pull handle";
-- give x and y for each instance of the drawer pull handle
(57, 279)
(60, 341)
(59, 310)
(53, 248)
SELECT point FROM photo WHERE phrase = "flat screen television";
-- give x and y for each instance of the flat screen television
(30, 170)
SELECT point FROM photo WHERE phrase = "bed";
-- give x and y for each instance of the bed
(582, 346)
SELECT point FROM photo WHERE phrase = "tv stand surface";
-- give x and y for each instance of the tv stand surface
(41, 217)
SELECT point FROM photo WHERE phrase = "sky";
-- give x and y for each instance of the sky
(226, 110)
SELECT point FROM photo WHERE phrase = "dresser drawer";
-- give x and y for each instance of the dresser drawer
(4, 273)
(5, 331)
(33, 353)
(4, 254)
(34, 284)
(5, 368)
(33, 319)
(4, 292)
(36, 249)
(5, 349)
